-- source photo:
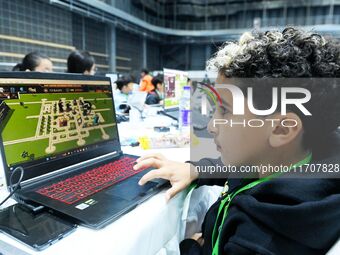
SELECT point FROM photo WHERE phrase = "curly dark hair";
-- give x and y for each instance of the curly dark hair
(292, 53)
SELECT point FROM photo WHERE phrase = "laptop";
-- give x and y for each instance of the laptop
(62, 129)
(174, 81)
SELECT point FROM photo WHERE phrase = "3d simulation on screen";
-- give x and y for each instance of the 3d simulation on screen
(39, 124)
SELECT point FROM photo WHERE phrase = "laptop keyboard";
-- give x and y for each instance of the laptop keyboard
(78, 187)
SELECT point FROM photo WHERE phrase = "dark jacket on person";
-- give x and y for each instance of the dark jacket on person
(285, 216)
(153, 98)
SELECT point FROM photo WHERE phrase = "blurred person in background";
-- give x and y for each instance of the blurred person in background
(81, 62)
(156, 95)
(135, 86)
(145, 81)
(34, 61)
(124, 87)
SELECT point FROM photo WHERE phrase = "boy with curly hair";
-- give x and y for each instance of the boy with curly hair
(269, 215)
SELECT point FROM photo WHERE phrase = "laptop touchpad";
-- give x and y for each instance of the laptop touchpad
(130, 189)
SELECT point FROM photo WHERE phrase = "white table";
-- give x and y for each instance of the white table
(147, 229)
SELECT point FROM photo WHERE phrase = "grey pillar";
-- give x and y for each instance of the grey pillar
(187, 57)
(285, 14)
(112, 47)
(331, 13)
(83, 36)
(264, 17)
(207, 52)
(308, 15)
(145, 61)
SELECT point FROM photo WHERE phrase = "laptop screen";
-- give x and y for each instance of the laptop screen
(49, 120)
(174, 81)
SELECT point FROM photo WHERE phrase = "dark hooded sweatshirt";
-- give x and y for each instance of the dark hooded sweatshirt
(280, 216)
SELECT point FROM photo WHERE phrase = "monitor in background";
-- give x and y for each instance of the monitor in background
(137, 100)
(43, 120)
(113, 77)
(174, 81)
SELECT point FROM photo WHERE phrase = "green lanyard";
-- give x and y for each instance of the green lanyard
(225, 203)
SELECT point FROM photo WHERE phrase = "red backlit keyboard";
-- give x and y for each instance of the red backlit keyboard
(83, 185)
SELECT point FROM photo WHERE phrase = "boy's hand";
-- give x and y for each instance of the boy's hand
(179, 174)
(198, 238)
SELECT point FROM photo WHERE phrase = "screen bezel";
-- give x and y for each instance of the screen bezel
(51, 166)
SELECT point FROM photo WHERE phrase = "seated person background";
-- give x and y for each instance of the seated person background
(81, 62)
(135, 86)
(145, 81)
(124, 87)
(296, 215)
(34, 61)
(156, 95)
